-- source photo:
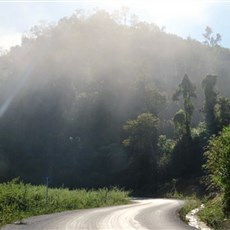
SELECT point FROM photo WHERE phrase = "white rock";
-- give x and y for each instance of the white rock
(194, 221)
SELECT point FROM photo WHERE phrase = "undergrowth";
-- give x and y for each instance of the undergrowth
(213, 214)
(190, 204)
(19, 200)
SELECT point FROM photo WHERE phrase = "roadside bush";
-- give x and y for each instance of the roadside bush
(213, 213)
(190, 204)
(19, 200)
(218, 165)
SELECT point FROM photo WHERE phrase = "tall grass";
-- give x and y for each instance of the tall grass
(191, 203)
(19, 200)
(213, 214)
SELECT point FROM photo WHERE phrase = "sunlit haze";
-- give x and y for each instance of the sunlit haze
(107, 94)
(184, 18)
(161, 11)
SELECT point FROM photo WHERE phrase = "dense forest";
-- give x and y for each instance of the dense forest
(101, 100)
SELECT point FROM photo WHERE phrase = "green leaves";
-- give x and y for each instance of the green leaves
(187, 90)
(141, 130)
(218, 164)
(141, 143)
(210, 93)
(211, 39)
(19, 200)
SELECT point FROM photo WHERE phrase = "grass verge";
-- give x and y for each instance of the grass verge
(19, 200)
(213, 214)
(190, 204)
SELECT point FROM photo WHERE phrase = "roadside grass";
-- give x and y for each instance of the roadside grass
(213, 214)
(175, 195)
(19, 200)
(191, 202)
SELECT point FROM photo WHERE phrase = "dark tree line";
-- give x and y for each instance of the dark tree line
(88, 102)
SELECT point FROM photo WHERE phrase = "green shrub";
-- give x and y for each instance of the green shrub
(19, 200)
(213, 213)
(190, 204)
(218, 165)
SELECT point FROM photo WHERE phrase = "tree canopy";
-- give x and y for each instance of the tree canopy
(187, 90)
(218, 164)
(75, 91)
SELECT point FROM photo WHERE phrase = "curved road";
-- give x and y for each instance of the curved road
(143, 214)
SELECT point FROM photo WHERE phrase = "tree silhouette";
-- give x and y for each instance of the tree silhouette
(208, 85)
(210, 39)
(187, 90)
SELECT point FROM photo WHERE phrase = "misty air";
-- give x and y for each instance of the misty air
(100, 107)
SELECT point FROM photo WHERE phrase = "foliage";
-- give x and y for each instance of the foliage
(218, 164)
(187, 90)
(186, 157)
(210, 103)
(140, 131)
(213, 214)
(165, 147)
(67, 91)
(191, 203)
(210, 39)
(216, 108)
(200, 131)
(149, 98)
(224, 111)
(19, 200)
(179, 122)
(142, 138)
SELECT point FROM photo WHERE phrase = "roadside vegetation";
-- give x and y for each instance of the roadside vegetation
(213, 213)
(19, 200)
(190, 204)
(217, 210)
(128, 110)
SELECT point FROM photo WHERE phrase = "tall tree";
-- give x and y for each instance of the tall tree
(211, 39)
(224, 111)
(187, 90)
(141, 143)
(179, 122)
(210, 93)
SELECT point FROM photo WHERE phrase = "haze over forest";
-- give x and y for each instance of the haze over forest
(88, 102)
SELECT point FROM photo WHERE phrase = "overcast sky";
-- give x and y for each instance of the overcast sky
(182, 17)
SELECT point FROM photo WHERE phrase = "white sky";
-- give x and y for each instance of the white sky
(181, 17)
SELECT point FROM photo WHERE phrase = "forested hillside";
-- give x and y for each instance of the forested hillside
(88, 102)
